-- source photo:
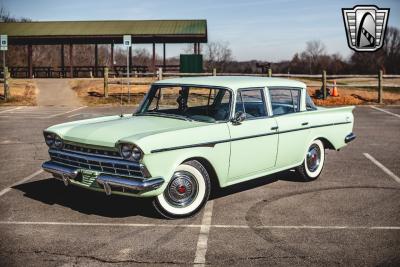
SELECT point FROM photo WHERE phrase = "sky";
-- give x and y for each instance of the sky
(270, 30)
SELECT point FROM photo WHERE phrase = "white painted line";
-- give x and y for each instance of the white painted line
(11, 109)
(201, 248)
(74, 115)
(63, 113)
(5, 190)
(382, 167)
(143, 225)
(388, 112)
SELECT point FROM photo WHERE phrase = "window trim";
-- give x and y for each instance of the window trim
(264, 99)
(300, 89)
(159, 84)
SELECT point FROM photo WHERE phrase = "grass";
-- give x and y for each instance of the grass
(91, 91)
(23, 92)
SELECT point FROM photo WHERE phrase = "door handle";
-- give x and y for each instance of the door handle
(274, 128)
(304, 123)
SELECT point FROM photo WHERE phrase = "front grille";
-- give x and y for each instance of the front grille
(97, 163)
(91, 151)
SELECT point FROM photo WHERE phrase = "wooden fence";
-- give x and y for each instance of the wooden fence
(319, 80)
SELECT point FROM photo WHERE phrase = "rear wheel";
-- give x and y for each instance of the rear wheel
(313, 161)
(186, 193)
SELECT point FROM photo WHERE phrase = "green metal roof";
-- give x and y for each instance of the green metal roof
(104, 28)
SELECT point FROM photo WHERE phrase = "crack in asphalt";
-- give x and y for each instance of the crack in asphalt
(95, 258)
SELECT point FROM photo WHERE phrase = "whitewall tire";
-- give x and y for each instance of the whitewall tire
(186, 193)
(313, 163)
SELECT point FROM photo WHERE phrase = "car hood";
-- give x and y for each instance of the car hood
(107, 131)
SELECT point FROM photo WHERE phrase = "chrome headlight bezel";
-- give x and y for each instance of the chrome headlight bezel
(53, 140)
(130, 151)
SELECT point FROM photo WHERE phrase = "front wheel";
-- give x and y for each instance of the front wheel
(186, 193)
(313, 162)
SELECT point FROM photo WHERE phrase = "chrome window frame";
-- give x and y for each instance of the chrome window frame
(265, 99)
(301, 98)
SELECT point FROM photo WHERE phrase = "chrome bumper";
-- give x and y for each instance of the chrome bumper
(350, 137)
(108, 181)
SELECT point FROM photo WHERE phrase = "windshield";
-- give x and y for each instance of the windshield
(187, 102)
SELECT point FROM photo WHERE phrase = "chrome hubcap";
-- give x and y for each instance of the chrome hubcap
(182, 189)
(313, 158)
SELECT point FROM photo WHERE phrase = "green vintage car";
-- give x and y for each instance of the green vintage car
(191, 133)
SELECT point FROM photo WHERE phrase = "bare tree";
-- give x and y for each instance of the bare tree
(314, 51)
(217, 55)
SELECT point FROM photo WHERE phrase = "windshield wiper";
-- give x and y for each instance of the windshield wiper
(161, 114)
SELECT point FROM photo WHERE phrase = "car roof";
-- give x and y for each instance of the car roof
(234, 82)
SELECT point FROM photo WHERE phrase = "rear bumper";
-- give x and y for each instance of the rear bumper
(350, 137)
(108, 182)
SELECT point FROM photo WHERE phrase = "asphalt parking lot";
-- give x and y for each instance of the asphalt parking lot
(349, 216)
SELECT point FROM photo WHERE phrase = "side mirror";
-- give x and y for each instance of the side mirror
(238, 118)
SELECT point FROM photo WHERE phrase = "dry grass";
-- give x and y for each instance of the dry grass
(23, 93)
(91, 92)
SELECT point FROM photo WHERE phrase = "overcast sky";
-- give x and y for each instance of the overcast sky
(264, 30)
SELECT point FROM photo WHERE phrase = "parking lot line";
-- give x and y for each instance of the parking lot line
(66, 112)
(202, 242)
(11, 109)
(5, 190)
(224, 226)
(382, 167)
(388, 112)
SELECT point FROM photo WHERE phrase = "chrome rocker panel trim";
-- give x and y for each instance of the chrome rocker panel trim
(65, 173)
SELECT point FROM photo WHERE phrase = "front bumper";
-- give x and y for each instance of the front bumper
(110, 183)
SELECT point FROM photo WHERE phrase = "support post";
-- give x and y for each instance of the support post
(96, 60)
(164, 56)
(380, 87)
(324, 83)
(269, 72)
(195, 48)
(214, 72)
(62, 61)
(198, 48)
(160, 74)
(71, 61)
(153, 63)
(112, 57)
(30, 66)
(6, 75)
(105, 82)
(130, 58)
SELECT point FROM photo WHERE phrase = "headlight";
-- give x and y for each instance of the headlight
(131, 152)
(53, 140)
(49, 138)
(58, 142)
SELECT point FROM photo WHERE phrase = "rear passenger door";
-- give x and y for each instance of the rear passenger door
(253, 142)
(293, 125)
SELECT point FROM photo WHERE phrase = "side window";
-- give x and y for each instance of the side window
(285, 101)
(251, 102)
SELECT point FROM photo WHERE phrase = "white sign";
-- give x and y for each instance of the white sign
(3, 42)
(127, 40)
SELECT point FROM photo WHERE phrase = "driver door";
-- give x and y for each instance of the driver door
(254, 141)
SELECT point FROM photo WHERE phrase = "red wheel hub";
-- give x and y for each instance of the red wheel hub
(181, 189)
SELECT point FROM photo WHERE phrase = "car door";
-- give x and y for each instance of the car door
(254, 141)
(294, 128)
